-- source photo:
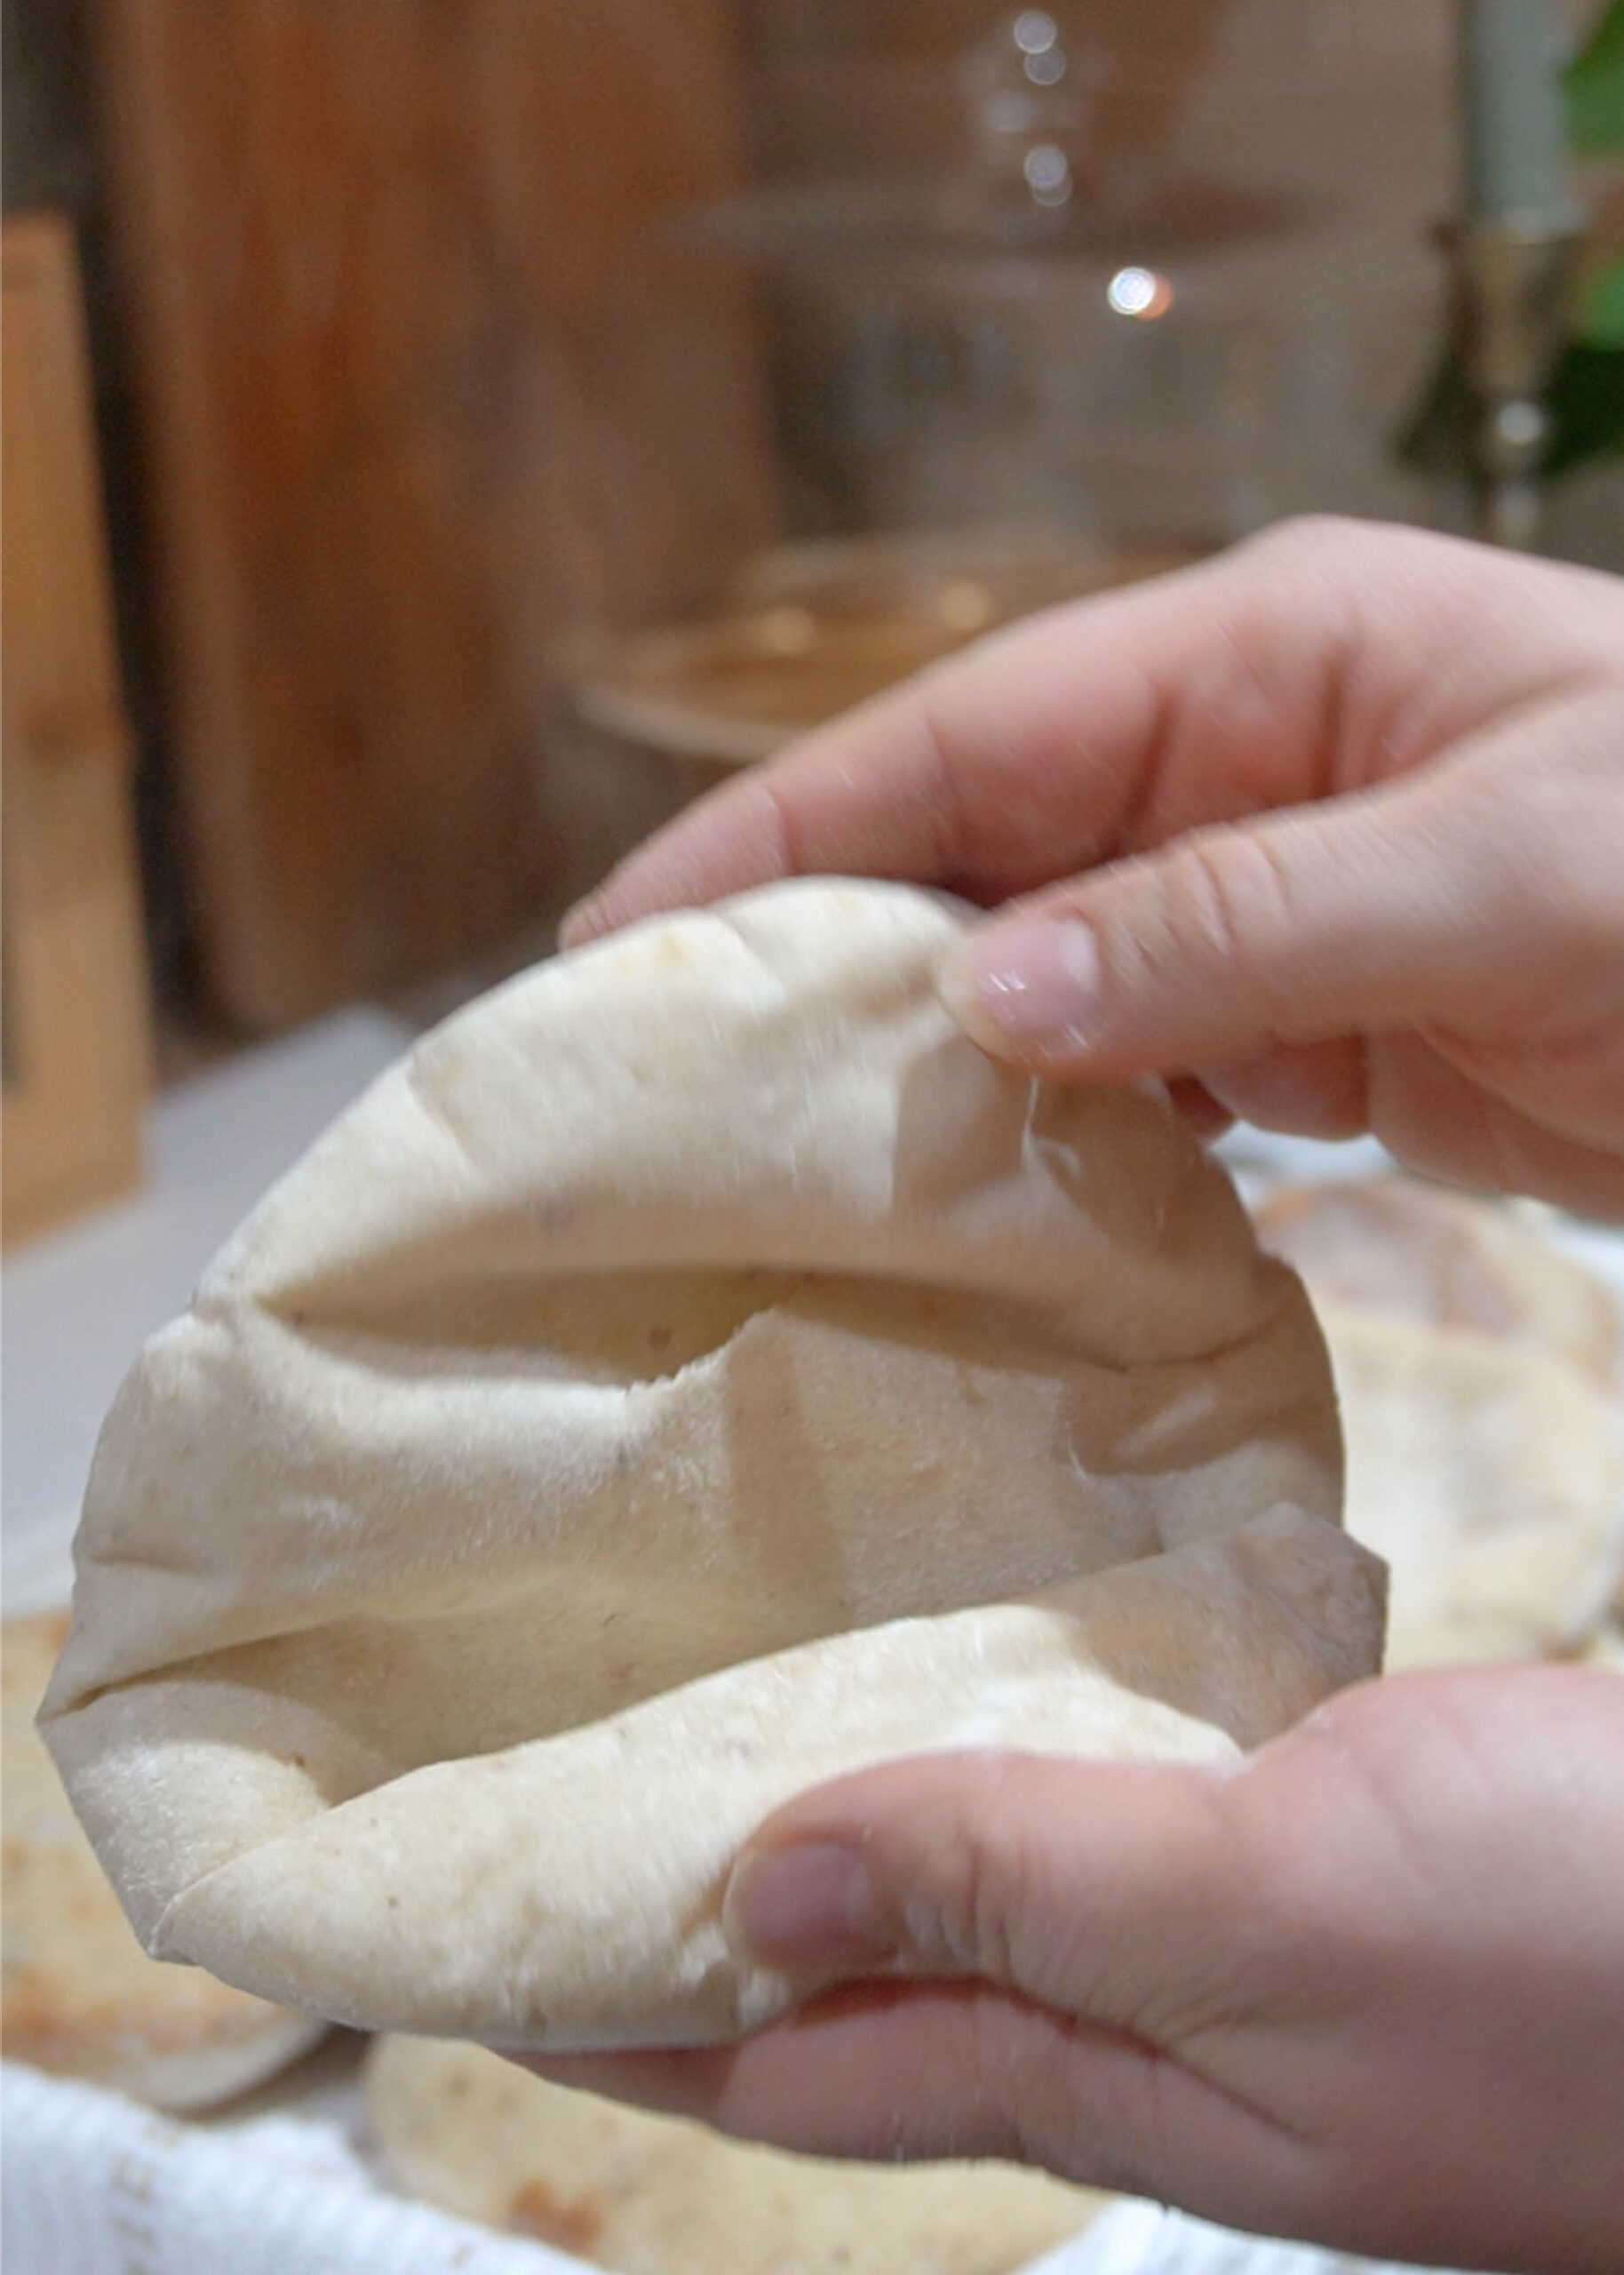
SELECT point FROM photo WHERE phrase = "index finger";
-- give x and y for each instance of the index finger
(1029, 744)
(1275, 674)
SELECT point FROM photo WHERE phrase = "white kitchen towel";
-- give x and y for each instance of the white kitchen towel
(1135, 2238)
(95, 2186)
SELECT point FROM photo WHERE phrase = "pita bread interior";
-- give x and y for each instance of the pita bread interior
(694, 1372)
(475, 2135)
(81, 1996)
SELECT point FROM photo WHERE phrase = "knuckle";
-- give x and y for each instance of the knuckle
(1009, 2089)
(771, 825)
(976, 1905)
(1220, 905)
(1298, 536)
(947, 766)
(1037, 2104)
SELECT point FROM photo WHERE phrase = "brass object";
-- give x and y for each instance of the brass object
(1515, 293)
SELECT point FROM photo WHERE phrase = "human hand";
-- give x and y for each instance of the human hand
(1365, 1989)
(1429, 945)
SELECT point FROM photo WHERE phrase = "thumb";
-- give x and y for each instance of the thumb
(1092, 1888)
(1021, 1941)
(1375, 911)
(1064, 1929)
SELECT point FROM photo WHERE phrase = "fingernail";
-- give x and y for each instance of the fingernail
(576, 924)
(808, 1908)
(1038, 984)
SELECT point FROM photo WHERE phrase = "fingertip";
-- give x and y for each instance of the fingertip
(807, 1907)
(580, 924)
(1027, 990)
(959, 984)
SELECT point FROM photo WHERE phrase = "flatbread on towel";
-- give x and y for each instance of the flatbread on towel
(81, 1996)
(645, 2195)
(694, 1371)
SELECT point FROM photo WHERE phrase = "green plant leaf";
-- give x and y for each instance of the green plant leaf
(1586, 400)
(1596, 88)
(1586, 396)
(1602, 325)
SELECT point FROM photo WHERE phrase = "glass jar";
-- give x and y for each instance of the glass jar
(1064, 359)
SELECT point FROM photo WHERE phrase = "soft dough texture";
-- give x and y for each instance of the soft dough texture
(694, 1371)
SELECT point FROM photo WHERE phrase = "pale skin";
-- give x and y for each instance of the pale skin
(1331, 833)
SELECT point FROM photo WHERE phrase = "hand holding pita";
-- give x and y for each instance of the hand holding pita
(1339, 823)
(1366, 1989)
(1333, 825)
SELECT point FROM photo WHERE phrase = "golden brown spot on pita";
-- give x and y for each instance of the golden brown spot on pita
(571, 2225)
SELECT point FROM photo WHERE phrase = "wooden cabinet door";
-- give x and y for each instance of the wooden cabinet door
(76, 1032)
(366, 247)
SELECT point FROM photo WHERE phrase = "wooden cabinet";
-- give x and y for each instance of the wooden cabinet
(76, 1033)
(367, 246)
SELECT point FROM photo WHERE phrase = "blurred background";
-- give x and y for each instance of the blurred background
(442, 434)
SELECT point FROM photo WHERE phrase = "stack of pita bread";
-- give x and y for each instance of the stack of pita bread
(80, 1996)
(1479, 1370)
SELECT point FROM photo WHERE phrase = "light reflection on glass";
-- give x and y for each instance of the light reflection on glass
(1046, 70)
(1036, 31)
(1522, 424)
(1141, 292)
(1037, 35)
(1049, 173)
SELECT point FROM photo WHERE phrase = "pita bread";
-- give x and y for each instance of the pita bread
(1491, 1479)
(653, 2196)
(694, 1372)
(1396, 1245)
(81, 1996)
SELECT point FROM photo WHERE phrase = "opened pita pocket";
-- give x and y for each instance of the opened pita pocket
(1490, 1477)
(81, 1996)
(644, 2195)
(1394, 1244)
(694, 1372)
